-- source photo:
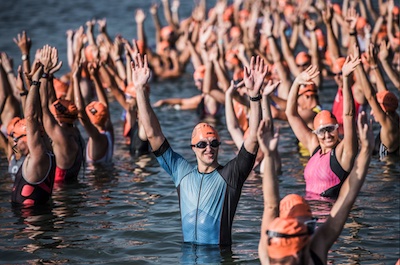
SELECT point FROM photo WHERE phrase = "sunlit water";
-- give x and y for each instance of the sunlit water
(128, 213)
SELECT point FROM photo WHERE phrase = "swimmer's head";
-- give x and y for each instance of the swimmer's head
(324, 118)
(60, 88)
(294, 206)
(202, 131)
(303, 59)
(308, 90)
(286, 237)
(97, 113)
(337, 65)
(65, 111)
(11, 125)
(388, 101)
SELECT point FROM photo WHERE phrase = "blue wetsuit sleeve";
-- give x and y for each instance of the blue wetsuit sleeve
(173, 163)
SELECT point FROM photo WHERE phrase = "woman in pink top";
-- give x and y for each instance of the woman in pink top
(332, 158)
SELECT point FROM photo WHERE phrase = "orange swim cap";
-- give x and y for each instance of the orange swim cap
(235, 32)
(64, 110)
(302, 58)
(293, 206)
(338, 64)
(243, 15)
(97, 113)
(90, 52)
(228, 13)
(388, 100)
(60, 88)
(337, 9)
(11, 125)
(166, 32)
(308, 90)
(231, 57)
(324, 118)
(203, 130)
(361, 23)
(19, 130)
(286, 237)
(140, 45)
(320, 38)
(395, 10)
(238, 75)
(199, 72)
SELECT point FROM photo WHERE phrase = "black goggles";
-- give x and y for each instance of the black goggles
(272, 234)
(203, 144)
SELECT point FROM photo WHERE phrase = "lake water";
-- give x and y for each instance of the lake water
(128, 213)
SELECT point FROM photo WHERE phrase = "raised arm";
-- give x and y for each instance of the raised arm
(253, 80)
(268, 142)
(150, 122)
(232, 123)
(347, 149)
(24, 44)
(298, 125)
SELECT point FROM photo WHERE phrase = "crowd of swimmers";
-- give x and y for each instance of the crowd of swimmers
(254, 62)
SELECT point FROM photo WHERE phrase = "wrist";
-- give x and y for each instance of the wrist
(256, 98)
(35, 83)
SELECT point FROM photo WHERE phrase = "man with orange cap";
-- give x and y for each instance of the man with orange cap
(34, 180)
(331, 158)
(288, 234)
(208, 192)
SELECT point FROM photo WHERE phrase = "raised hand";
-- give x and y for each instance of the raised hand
(254, 75)
(270, 87)
(305, 77)
(350, 65)
(267, 139)
(140, 71)
(23, 42)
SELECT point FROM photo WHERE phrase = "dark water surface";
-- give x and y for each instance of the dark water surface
(129, 213)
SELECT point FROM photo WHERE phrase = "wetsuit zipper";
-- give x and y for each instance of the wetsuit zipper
(197, 208)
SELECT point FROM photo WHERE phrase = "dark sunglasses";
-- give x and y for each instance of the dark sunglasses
(203, 144)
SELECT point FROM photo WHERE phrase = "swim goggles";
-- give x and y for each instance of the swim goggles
(203, 144)
(328, 128)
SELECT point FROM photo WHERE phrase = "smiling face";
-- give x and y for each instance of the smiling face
(207, 156)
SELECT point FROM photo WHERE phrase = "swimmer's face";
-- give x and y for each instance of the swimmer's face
(339, 79)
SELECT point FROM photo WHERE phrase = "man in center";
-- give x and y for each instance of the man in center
(208, 192)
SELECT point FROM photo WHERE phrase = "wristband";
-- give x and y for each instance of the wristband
(23, 93)
(45, 75)
(374, 67)
(24, 57)
(10, 72)
(270, 36)
(117, 60)
(353, 33)
(255, 98)
(35, 83)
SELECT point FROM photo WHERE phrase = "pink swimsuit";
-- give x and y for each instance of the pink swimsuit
(323, 174)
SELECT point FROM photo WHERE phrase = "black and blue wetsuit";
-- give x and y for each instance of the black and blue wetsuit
(207, 201)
